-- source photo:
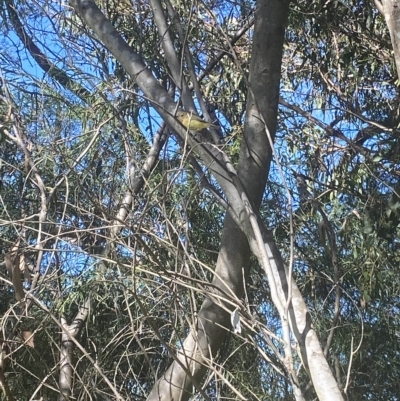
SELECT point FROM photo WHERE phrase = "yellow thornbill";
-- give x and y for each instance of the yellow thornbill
(192, 122)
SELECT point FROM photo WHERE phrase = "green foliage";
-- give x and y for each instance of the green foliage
(146, 283)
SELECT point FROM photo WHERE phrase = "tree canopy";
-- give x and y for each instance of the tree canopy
(254, 260)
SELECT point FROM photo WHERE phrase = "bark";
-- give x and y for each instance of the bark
(167, 43)
(41, 59)
(311, 352)
(390, 9)
(13, 268)
(66, 349)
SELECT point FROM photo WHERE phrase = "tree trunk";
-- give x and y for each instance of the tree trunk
(390, 9)
(66, 350)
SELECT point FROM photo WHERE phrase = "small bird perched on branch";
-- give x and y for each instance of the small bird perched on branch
(193, 122)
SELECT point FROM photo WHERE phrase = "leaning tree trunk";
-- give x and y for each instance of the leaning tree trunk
(390, 9)
(253, 167)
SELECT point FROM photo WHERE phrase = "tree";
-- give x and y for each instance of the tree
(389, 10)
(119, 250)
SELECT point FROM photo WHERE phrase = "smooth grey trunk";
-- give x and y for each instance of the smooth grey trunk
(66, 374)
(66, 349)
(390, 9)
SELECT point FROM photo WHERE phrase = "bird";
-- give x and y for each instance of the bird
(193, 122)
